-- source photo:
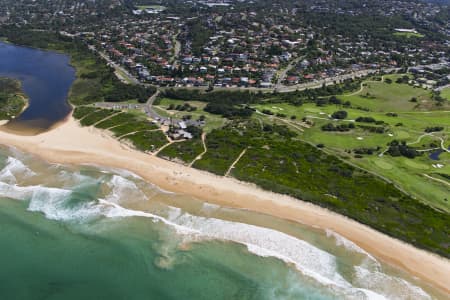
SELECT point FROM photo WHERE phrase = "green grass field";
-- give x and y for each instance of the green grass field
(409, 34)
(385, 192)
(131, 126)
(381, 96)
(212, 121)
(445, 93)
(409, 125)
(157, 7)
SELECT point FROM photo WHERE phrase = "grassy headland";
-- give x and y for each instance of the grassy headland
(377, 115)
(275, 149)
(12, 98)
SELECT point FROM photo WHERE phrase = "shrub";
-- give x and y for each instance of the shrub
(340, 114)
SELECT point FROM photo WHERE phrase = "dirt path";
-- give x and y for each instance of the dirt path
(235, 162)
(436, 179)
(431, 134)
(166, 145)
(108, 117)
(204, 150)
(282, 120)
(133, 132)
(362, 86)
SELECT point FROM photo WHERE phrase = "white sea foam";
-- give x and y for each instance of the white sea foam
(7, 176)
(15, 192)
(14, 168)
(116, 211)
(76, 177)
(52, 202)
(310, 260)
(209, 207)
(390, 286)
(369, 277)
(267, 242)
(121, 172)
(123, 188)
(313, 262)
(342, 241)
(370, 262)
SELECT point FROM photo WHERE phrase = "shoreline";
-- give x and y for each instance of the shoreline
(69, 143)
(21, 94)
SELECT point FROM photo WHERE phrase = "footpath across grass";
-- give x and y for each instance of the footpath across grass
(390, 108)
(184, 152)
(278, 161)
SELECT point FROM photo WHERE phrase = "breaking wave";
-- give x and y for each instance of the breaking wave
(14, 168)
(69, 204)
(123, 188)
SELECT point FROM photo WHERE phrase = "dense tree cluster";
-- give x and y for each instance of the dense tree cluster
(225, 103)
(366, 150)
(397, 148)
(365, 120)
(184, 107)
(403, 79)
(228, 110)
(339, 127)
(195, 131)
(340, 114)
(434, 129)
(124, 91)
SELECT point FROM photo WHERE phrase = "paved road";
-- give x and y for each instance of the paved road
(176, 52)
(122, 71)
(120, 105)
(285, 71)
(148, 108)
(279, 86)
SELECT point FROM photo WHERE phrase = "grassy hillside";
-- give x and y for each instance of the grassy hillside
(130, 127)
(391, 110)
(277, 160)
(353, 172)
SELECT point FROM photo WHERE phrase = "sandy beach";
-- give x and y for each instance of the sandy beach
(69, 143)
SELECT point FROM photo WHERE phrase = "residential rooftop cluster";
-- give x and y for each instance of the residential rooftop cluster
(247, 43)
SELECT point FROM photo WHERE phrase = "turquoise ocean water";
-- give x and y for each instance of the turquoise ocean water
(81, 232)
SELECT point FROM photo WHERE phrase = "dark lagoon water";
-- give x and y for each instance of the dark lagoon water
(46, 79)
(81, 232)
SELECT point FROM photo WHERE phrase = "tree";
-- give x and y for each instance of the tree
(195, 131)
(340, 114)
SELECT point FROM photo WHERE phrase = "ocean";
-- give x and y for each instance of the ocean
(87, 232)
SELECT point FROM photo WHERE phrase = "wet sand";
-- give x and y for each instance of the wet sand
(69, 143)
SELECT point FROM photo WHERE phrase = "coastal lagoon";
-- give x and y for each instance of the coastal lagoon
(46, 79)
(85, 232)
(82, 232)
